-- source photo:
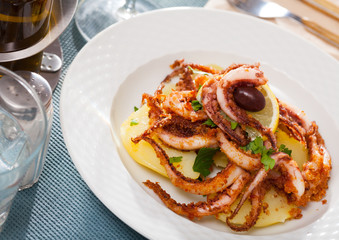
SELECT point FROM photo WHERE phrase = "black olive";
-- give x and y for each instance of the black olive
(249, 98)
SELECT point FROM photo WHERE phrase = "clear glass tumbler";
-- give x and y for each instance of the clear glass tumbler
(23, 132)
(44, 91)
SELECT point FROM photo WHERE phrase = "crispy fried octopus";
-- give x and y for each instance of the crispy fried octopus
(249, 76)
(176, 123)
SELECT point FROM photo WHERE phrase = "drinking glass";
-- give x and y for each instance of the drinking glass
(22, 25)
(44, 91)
(93, 16)
(23, 131)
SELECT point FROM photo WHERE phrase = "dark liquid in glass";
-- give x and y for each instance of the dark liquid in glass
(23, 23)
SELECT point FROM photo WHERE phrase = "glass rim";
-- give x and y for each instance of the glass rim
(41, 108)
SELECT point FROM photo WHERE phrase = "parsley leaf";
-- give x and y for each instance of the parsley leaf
(204, 160)
(284, 149)
(135, 109)
(267, 161)
(175, 159)
(210, 123)
(133, 122)
(234, 125)
(257, 146)
(196, 105)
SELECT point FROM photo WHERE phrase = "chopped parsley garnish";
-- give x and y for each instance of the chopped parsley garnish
(284, 149)
(198, 72)
(210, 123)
(204, 160)
(257, 146)
(196, 105)
(133, 122)
(175, 159)
(135, 109)
(234, 125)
(266, 159)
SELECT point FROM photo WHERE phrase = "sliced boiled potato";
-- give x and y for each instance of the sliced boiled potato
(299, 150)
(277, 210)
(168, 88)
(220, 159)
(144, 154)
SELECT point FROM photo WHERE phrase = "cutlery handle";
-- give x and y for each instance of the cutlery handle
(321, 32)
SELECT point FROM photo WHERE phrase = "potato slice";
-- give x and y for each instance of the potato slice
(220, 159)
(168, 88)
(144, 154)
(299, 150)
(278, 210)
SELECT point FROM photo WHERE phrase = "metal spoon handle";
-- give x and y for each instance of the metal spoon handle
(318, 30)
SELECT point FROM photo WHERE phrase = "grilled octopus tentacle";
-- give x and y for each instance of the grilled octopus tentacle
(179, 102)
(242, 76)
(220, 203)
(214, 112)
(293, 180)
(256, 198)
(316, 171)
(193, 138)
(210, 185)
(247, 161)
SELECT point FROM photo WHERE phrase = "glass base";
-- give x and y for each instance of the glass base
(3, 218)
(21, 188)
(93, 16)
(5, 207)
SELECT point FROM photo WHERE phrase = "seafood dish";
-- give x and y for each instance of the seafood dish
(222, 133)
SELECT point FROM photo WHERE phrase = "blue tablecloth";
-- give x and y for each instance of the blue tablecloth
(60, 205)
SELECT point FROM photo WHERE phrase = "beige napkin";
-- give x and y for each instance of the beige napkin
(301, 9)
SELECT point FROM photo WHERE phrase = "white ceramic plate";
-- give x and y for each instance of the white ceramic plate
(111, 72)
